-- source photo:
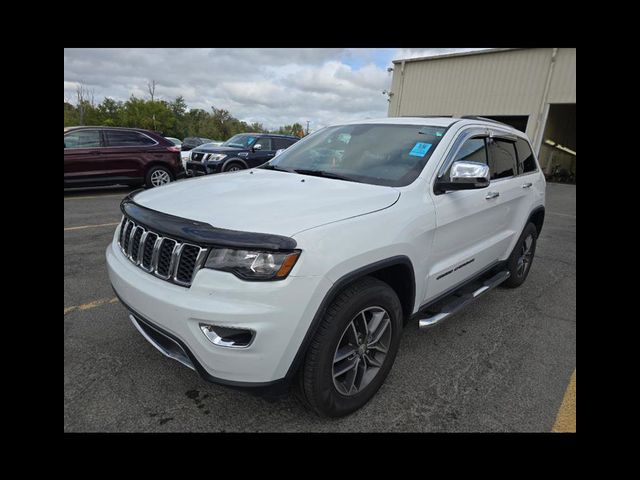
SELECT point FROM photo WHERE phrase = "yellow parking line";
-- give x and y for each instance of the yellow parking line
(94, 304)
(91, 226)
(566, 418)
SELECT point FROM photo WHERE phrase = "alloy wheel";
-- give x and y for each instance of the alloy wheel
(159, 177)
(526, 256)
(362, 350)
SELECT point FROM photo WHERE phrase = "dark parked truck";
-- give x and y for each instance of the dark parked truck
(245, 150)
(114, 155)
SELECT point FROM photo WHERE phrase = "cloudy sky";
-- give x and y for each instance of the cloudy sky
(271, 86)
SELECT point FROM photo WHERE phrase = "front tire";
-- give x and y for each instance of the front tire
(353, 350)
(158, 176)
(521, 258)
(233, 167)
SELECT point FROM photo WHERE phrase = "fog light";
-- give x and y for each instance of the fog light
(228, 337)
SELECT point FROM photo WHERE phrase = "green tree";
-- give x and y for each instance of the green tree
(169, 118)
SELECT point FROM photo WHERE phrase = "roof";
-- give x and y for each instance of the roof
(272, 135)
(105, 127)
(435, 121)
(459, 54)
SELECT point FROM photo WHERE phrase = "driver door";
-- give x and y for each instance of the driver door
(265, 152)
(470, 225)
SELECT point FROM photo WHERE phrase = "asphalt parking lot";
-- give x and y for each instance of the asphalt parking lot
(502, 364)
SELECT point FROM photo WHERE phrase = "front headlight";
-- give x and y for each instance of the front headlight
(216, 157)
(251, 264)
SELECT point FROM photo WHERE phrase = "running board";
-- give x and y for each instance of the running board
(458, 300)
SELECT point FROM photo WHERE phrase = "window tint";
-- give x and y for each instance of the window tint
(122, 138)
(525, 156)
(265, 142)
(82, 139)
(502, 158)
(279, 143)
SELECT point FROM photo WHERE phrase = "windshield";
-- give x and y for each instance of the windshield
(380, 154)
(241, 141)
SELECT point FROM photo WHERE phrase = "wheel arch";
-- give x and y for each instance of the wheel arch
(537, 218)
(231, 160)
(396, 271)
(158, 163)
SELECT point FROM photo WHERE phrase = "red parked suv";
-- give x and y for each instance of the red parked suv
(114, 155)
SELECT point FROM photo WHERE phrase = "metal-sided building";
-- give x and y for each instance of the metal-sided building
(533, 89)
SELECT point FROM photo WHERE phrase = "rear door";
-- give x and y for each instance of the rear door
(512, 189)
(472, 225)
(83, 155)
(128, 152)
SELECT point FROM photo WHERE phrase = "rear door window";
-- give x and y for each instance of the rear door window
(281, 143)
(82, 139)
(121, 138)
(502, 158)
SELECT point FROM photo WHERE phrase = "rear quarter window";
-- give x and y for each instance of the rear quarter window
(526, 160)
(117, 138)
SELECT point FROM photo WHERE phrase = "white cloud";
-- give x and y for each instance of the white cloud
(271, 86)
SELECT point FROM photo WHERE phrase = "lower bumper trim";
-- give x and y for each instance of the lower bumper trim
(274, 387)
(165, 344)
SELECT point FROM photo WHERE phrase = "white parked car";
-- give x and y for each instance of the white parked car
(185, 156)
(305, 270)
(176, 141)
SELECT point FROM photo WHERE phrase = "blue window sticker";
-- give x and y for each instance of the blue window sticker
(250, 141)
(420, 149)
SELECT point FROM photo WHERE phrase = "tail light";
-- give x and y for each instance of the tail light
(174, 149)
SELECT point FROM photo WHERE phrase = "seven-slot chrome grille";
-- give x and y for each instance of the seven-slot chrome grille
(164, 257)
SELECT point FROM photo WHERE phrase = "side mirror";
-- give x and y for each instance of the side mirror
(465, 176)
(256, 147)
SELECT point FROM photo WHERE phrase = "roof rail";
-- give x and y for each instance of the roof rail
(475, 117)
(427, 116)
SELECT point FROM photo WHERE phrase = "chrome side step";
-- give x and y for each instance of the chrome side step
(458, 301)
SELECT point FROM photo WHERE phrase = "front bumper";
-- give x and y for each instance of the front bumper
(196, 169)
(279, 312)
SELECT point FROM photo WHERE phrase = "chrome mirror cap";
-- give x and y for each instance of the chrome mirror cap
(470, 172)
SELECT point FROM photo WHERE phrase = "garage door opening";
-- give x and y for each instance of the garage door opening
(558, 149)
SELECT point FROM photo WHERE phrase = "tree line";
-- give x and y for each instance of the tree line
(169, 118)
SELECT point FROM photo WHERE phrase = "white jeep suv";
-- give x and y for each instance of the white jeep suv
(306, 269)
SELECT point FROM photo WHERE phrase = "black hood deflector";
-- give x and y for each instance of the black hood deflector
(201, 233)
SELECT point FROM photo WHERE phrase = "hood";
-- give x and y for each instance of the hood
(218, 149)
(267, 201)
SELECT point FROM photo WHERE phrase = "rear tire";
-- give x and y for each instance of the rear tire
(158, 176)
(521, 258)
(342, 343)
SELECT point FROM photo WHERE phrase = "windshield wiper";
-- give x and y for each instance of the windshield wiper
(322, 173)
(268, 166)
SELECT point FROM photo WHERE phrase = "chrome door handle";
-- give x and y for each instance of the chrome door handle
(491, 195)
(527, 185)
